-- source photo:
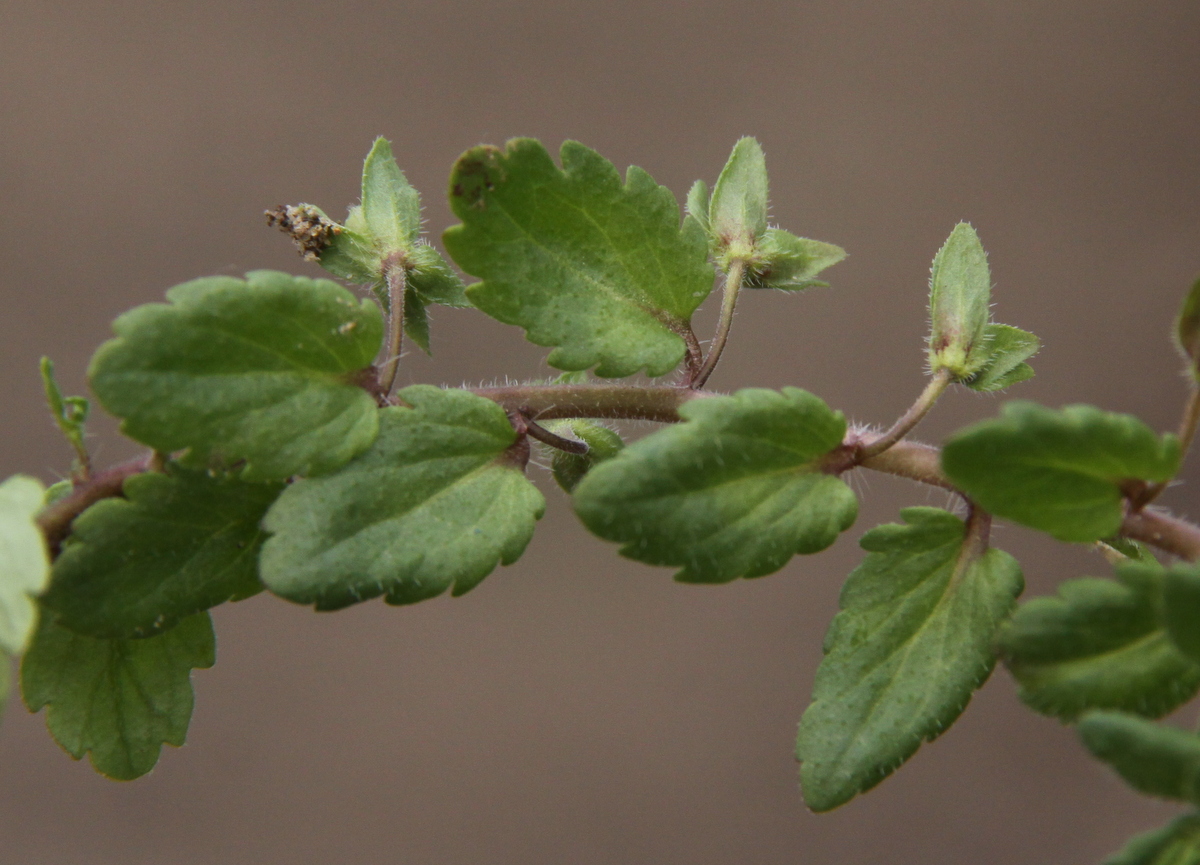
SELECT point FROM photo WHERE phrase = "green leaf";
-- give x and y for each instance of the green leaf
(431, 277)
(598, 269)
(1099, 644)
(603, 444)
(351, 256)
(735, 491)
(1187, 330)
(787, 262)
(737, 213)
(175, 545)
(1006, 348)
(1152, 758)
(70, 412)
(416, 319)
(960, 287)
(390, 206)
(1181, 608)
(1058, 471)
(1177, 843)
(260, 371)
(24, 563)
(439, 500)
(120, 700)
(911, 643)
(697, 204)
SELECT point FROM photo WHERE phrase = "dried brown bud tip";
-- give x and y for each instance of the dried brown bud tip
(310, 229)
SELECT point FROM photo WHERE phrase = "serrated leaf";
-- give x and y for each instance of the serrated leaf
(1181, 609)
(599, 269)
(784, 261)
(260, 371)
(1177, 843)
(390, 206)
(734, 491)
(175, 545)
(1152, 758)
(603, 444)
(697, 204)
(438, 501)
(737, 212)
(1006, 349)
(24, 562)
(1058, 471)
(1187, 330)
(960, 287)
(1099, 644)
(911, 643)
(120, 700)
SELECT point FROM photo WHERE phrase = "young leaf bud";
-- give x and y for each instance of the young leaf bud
(959, 292)
(1187, 330)
(737, 212)
(602, 443)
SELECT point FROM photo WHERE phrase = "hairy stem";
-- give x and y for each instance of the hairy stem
(55, 521)
(1187, 433)
(539, 432)
(1160, 529)
(733, 286)
(393, 269)
(916, 412)
(550, 402)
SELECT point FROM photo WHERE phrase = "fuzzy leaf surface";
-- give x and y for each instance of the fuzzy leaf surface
(438, 501)
(1099, 644)
(259, 370)
(391, 207)
(1007, 350)
(120, 700)
(175, 545)
(1152, 758)
(737, 211)
(1177, 843)
(960, 289)
(1058, 471)
(24, 562)
(734, 491)
(599, 269)
(790, 263)
(697, 203)
(911, 643)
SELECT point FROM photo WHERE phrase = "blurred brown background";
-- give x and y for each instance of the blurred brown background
(579, 708)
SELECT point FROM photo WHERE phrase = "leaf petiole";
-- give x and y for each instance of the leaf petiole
(394, 273)
(915, 414)
(733, 286)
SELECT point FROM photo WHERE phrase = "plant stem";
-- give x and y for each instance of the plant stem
(1187, 433)
(1160, 529)
(916, 412)
(539, 432)
(549, 402)
(394, 272)
(733, 285)
(55, 521)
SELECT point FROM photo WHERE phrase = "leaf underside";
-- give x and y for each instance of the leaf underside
(257, 372)
(436, 502)
(912, 642)
(598, 269)
(1152, 758)
(735, 491)
(118, 700)
(1099, 644)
